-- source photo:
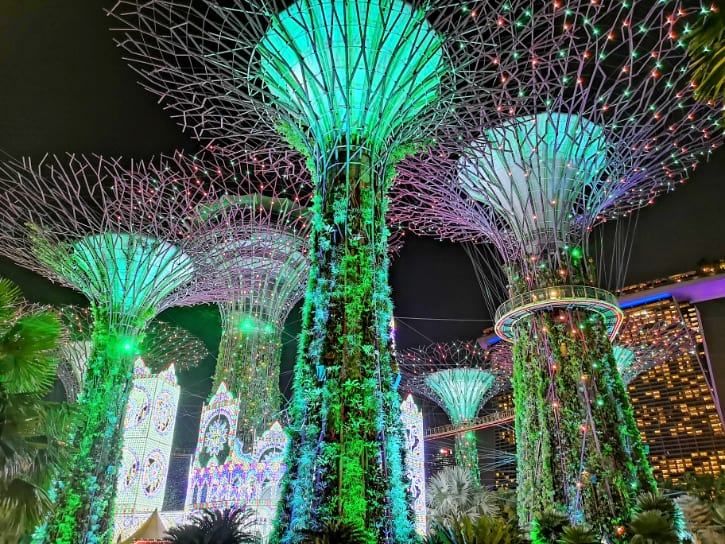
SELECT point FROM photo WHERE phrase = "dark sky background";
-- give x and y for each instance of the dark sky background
(64, 87)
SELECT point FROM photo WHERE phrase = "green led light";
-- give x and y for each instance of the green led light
(366, 70)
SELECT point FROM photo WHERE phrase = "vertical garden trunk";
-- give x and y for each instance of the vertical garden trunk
(345, 462)
(85, 496)
(579, 450)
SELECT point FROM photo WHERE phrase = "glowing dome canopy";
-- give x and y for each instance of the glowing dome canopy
(462, 390)
(351, 70)
(130, 273)
(541, 173)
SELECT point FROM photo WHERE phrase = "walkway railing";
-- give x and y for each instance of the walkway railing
(494, 419)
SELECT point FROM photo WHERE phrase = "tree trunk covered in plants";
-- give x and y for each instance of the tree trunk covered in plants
(248, 362)
(85, 489)
(579, 450)
(466, 451)
(345, 454)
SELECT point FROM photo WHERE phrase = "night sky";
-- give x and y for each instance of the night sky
(64, 87)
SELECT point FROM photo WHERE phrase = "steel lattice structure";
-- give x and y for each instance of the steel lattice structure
(460, 377)
(258, 263)
(354, 87)
(162, 344)
(122, 236)
(581, 134)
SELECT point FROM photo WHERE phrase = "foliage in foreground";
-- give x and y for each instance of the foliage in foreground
(483, 530)
(453, 493)
(32, 430)
(228, 526)
(337, 532)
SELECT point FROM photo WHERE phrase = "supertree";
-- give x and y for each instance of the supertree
(354, 87)
(583, 133)
(122, 237)
(162, 344)
(460, 377)
(259, 264)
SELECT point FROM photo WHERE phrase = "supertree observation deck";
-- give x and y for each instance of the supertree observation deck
(353, 87)
(121, 236)
(583, 133)
(161, 345)
(460, 377)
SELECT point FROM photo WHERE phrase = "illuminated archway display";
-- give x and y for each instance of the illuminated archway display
(148, 429)
(353, 87)
(580, 134)
(118, 235)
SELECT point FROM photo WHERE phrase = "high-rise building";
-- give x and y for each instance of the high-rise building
(675, 402)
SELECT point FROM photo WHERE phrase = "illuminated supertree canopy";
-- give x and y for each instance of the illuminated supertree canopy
(353, 87)
(460, 377)
(258, 263)
(580, 134)
(121, 236)
(162, 344)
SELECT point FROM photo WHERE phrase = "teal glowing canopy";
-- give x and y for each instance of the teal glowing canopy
(351, 70)
(461, 390)
(128, 274)
(541, 173)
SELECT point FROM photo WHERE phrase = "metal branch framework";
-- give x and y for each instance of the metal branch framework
(353, 87)
(460, 377)
(257, 259)
(581, 134)
(162, 344)
(123, 237)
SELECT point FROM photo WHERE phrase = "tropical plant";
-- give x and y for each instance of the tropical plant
(506, 502)
(578, 534)
(652, 527)
(705, 520)
(482, 530)
(336, 532)
(32, 430)
(453, 493)
(706, 48)
(228, 526)
(548, 527)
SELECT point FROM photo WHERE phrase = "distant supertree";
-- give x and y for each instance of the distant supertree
(162, 344)
(122, 237)
(580, 134)
(354, 87)
(460, 377)
(258, 255)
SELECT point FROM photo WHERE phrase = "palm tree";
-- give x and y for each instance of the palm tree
(548, 527)
(32, 430)
(707, 51)
(482, 530)
(337, 532)
(453, 493)
(578, 534)
(652, 527)
(228, 526)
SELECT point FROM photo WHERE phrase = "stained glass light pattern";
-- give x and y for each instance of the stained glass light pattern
(412, 419)
(403, 106)
(118, 234)
(148, 433)
(381, 66)
(224, 475)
